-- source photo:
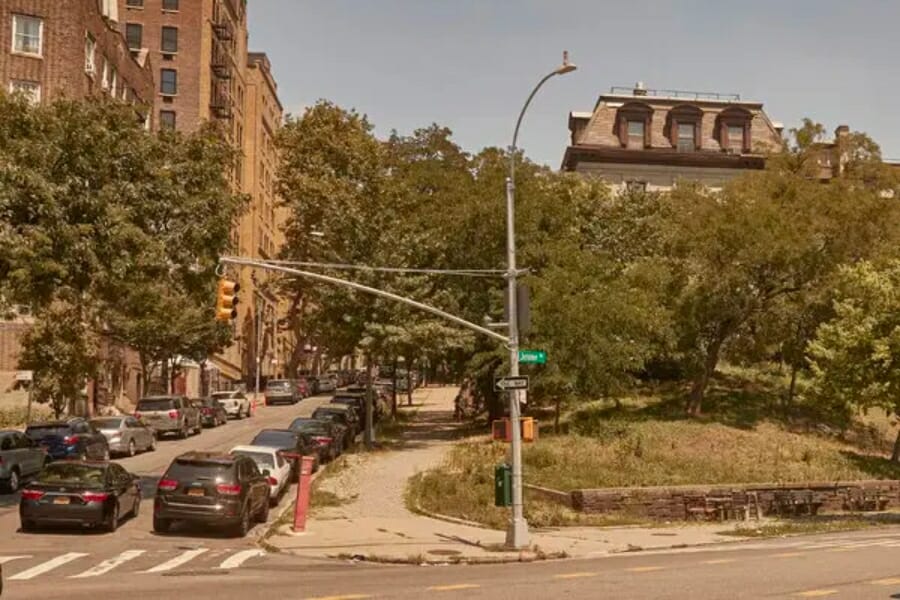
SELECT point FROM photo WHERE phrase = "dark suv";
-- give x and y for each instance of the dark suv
(74, 438)
(212, 488)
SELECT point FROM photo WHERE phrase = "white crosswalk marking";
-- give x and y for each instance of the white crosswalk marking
(47, 566)
(236, 560)
(179, 560)
(108, 565)
(6, 559)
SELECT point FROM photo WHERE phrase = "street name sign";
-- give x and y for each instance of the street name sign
(535, 357)
(506, 384)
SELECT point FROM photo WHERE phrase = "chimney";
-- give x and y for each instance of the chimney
(639, 89)
(842, 131)
(779, 128)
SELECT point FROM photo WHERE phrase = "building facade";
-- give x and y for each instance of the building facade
(650, 139)
(72, 49)
(205, 73)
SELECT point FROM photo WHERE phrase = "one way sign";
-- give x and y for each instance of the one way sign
(506, 384)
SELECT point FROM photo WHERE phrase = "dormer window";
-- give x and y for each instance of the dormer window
(683, 124)
(733, 127)
(633, 125)
(735, 137)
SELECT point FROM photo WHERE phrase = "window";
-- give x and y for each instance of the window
(635, 134)
(30, 89)
(169, 39)
(27, 35)
(134, 35)
(135, 3)
(90, 49)
(170, 4)
(686, 136)
(167, 119)
(736, 137)
(168, 82)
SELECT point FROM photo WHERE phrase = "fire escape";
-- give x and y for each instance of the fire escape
(221, 102)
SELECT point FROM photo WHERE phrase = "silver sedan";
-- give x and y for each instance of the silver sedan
(126, 435)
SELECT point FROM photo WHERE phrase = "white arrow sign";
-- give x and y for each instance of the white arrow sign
(504, 384)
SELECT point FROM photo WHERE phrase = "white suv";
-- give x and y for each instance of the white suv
(236, 404)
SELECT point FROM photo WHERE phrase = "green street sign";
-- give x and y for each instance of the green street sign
(535, 357)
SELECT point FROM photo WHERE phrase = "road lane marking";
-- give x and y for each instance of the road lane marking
(787, 555)
(643, 569)
(47, 566)
(888, 581)
(6, 559)
(573, 575)
(236, 560)
(719, 561)
(344, 597)
(177, 561)
(450, 588)
(816, 593)
(840, 549)
(108, 565)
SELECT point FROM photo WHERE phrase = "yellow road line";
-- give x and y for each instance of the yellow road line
(816, 593)
(573, 575)
(719, 561)
(787, 555)
(643, 569)
(888, 581)
(450, 588)
(344, 597)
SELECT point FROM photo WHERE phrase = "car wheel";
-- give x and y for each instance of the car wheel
(12, 484)
(136, 509)
(161, 525)
(263, 515)
(183, 434)
(113, 523)
(28, 526)
(243, 526)
(152, 446)
(131, 449)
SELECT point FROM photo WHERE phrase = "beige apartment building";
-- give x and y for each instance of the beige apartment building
(205, 72)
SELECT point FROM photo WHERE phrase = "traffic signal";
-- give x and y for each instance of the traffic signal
(227, 300)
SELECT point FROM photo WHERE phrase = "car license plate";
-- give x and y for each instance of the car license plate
(62, 500)
(196, 492)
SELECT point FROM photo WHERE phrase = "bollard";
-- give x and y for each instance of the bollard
(301, 507)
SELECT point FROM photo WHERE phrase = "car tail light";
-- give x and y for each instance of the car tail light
(272, 480)
(206, 411)
(229, 489)
(167, 485)
(137, 415)
(70, 440)
(173, 414)
(94, 496)
(321, 441)
(32, 494)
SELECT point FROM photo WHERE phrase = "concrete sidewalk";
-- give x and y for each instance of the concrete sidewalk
(374, 522)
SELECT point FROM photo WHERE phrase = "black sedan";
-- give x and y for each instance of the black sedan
(83, 493)
(293, 442)
(212, 413)
(327, 436)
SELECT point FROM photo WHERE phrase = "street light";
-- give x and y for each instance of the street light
(517, 531)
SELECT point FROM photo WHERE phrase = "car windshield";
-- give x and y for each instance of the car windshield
(278, 384)
(157, 404)
(263, 460)
(274, 438)
(73, 473)
(37, 432)
(310, 426)
(111, 423)
(184, 470)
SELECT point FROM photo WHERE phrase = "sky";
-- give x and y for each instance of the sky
(470, 64)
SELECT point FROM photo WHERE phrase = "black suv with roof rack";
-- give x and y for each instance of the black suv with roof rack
(212, 488)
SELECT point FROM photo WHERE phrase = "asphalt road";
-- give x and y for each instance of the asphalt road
(134, 545)
(852, 565)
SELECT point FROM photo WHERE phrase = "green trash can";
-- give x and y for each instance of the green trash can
(503, 485)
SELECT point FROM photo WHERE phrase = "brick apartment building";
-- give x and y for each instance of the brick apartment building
(204, 72)
(73, 49)
(651, 138)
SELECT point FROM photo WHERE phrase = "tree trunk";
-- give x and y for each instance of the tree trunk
(792, 389)
(895, 455)
(558, 406)
(204, 380)
(164, 373)
(394, 391)
(701, 381)
(370, 426)
(409, 384)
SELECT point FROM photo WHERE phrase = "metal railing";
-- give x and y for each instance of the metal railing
(685, 94)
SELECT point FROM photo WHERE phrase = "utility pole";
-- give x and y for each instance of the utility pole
(517, 531)
(258, 332)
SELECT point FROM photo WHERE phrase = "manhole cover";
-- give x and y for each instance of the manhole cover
(444, 552)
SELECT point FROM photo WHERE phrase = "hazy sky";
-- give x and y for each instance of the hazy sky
(469, 64)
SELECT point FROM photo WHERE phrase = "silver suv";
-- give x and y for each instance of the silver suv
(169, 414)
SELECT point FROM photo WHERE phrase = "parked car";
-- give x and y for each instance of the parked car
(169, 414)
(282, 391)
(327, 383)
(72, 438)
(211, 488)
(271, 460)
(20, 458)
(303, 387)
(86, 493)
(286, 440)
(236, 403)
(345, 415)
(315, 384)
(125, 435)
(212, 413)
(327, 437)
